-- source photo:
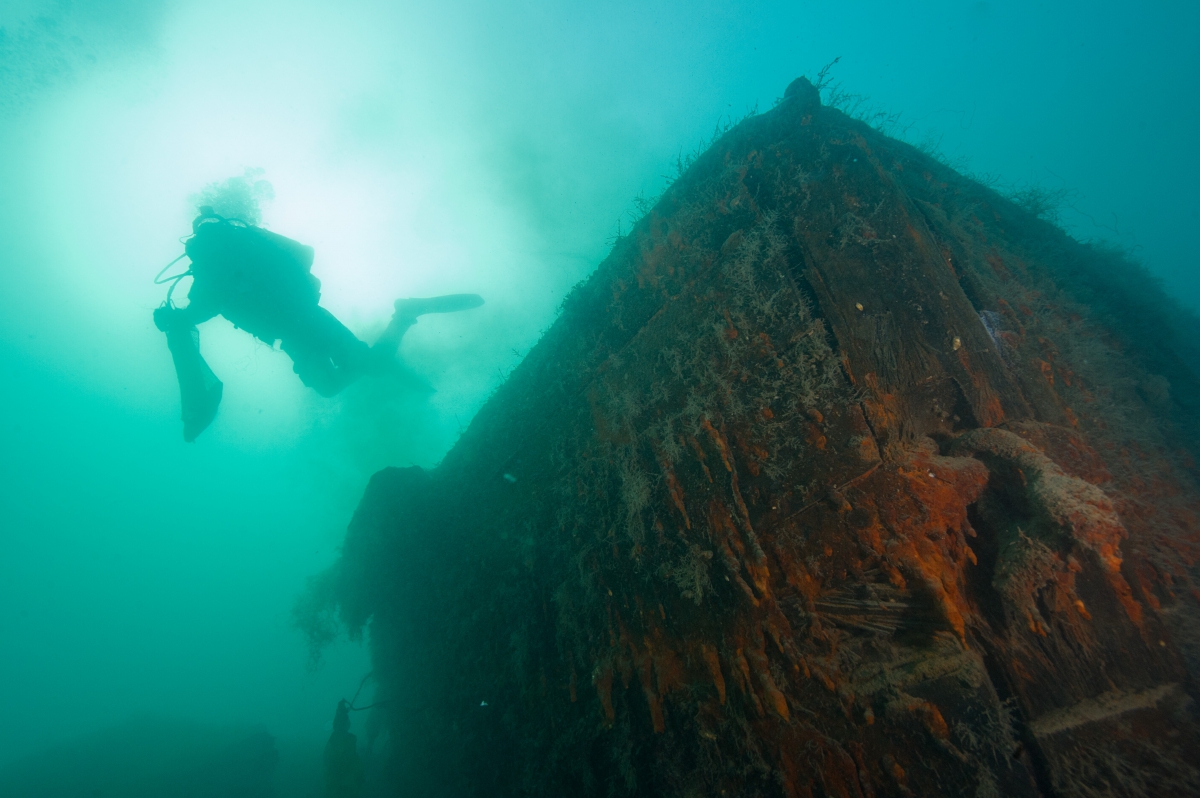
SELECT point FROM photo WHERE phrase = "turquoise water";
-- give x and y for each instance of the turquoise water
(467, 148)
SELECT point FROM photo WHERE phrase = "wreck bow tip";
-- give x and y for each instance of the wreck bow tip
(802, 90)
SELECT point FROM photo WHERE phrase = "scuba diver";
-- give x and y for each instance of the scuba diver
(262, 282)
(343, 767)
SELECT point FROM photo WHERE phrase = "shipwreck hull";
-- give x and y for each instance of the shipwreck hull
(841, 476)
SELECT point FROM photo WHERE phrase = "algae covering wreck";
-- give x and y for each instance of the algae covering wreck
(843, 475)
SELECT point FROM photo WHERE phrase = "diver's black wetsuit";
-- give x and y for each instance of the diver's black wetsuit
(262, 282)
(343, 767)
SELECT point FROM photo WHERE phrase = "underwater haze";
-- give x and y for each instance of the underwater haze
(421, 149)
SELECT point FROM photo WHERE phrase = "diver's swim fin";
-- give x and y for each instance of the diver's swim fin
(201, 410)
(407, 310)
(199, 389)
(450, 303)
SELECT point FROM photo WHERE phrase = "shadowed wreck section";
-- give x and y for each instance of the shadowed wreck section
(842, 476)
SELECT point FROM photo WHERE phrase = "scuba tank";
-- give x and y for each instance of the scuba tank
(262, 281)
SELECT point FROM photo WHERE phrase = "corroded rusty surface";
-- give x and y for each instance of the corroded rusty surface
(832, 480)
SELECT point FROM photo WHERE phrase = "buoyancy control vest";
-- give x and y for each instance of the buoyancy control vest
(259, 280)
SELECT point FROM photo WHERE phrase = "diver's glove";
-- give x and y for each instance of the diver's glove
(167, 318)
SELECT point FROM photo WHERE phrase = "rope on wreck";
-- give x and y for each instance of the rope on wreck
(362, 684)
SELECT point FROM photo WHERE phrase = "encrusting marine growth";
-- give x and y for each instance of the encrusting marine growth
(842, 476)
